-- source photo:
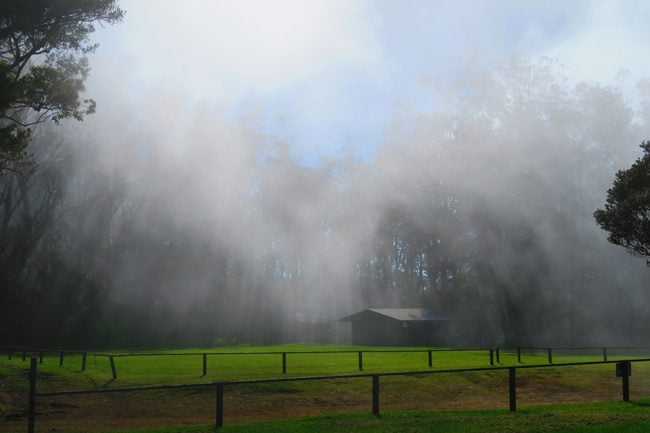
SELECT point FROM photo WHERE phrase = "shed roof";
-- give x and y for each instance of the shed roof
(401, 314)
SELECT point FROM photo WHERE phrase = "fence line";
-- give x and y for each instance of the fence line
(623, 370)
(25, 351)
(492, 353)
(605, 350)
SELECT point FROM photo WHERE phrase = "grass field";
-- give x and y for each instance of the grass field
(607, 417)
(402, 397)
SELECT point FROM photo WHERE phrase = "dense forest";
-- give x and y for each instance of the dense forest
(150, 229)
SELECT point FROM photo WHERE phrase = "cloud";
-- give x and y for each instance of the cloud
(612, 37)
(226, 49)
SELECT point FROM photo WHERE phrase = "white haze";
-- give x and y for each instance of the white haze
(332, 75)
(207, 110)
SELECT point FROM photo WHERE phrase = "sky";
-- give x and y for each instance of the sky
(337, 76)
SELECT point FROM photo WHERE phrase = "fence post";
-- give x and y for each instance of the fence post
(430, 359)
(60, 358)
(83, 361)
(31, 416)
(205, 364)
(360, 361)
(284, 362)
(375, 395)
(24, 355)
(219, 408)
(519, 354)
(498, 356)
(40, 357)
(512, 388)
(113, 370)
(550, 355)
(625, 376)
(604, 354)
(491, 356)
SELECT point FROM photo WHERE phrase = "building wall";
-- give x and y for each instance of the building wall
(383, 331)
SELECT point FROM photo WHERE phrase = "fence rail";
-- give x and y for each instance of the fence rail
(623, 370)
(604, 350)
(24, 352)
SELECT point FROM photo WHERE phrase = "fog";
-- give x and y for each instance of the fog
(176, 218)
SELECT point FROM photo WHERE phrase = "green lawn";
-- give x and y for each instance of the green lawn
(406, 401)
(150, 370)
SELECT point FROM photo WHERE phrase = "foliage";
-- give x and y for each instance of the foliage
(627, 212)
(43, 67)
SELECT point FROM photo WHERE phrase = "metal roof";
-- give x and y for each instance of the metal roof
(401, 314)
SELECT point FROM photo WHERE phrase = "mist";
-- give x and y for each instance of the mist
(175, 219)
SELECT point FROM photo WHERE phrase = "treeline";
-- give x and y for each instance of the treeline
(158, 230)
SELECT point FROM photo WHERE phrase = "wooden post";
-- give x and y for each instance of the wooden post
(40, 357)
(113, 370)
(519, 354)
(360, 361)
(375, 395)
(284, 362)
(550, 355)
(60, 358)
(24, 355)
(498, 356)
(512, 388)
(205, 364)
(604, 354)
(219, 408)
(491, 356)
(83, 361)
(430, 359)
(625, 379)
(31, 415)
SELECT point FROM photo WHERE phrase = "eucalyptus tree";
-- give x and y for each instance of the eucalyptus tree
(43, 66)
(626, 215)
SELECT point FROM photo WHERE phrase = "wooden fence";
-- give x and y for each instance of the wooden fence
(623, 370)
(492, 355)
(599, 350)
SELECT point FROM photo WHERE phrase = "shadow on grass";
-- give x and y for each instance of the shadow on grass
(640, 403)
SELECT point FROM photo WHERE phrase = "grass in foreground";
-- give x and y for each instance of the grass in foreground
(604, 417)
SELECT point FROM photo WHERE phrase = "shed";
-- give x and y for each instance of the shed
(400, 327)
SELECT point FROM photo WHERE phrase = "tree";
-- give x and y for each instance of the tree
(627, 212)
(43, 65)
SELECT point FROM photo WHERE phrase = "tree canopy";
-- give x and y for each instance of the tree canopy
(43, 65)
(627, 212)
